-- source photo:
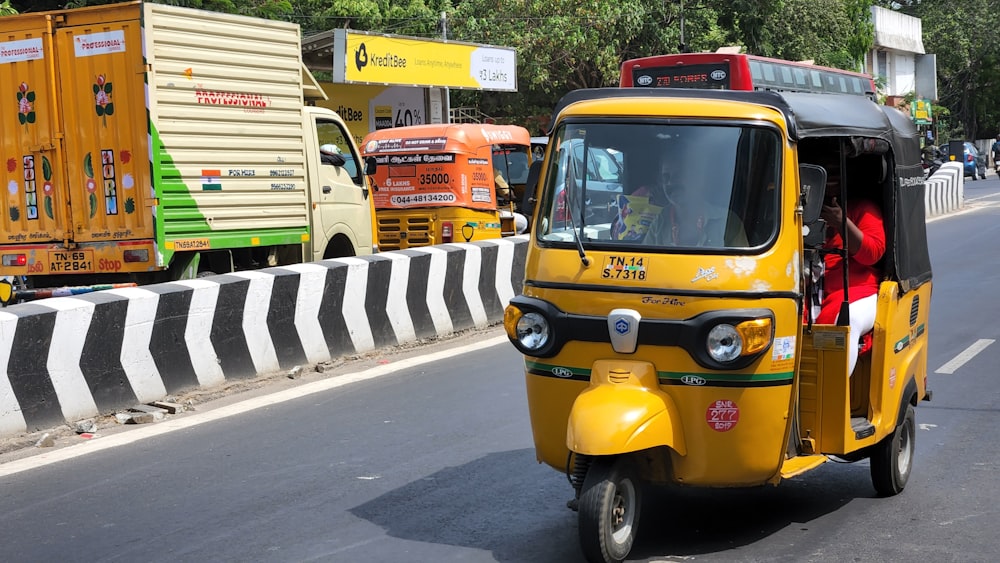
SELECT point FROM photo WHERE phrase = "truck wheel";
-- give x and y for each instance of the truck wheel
(339, 247)
(609, 510)
(892, 459)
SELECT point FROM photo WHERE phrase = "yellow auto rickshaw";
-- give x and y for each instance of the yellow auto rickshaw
(663, 352)
(451, 182)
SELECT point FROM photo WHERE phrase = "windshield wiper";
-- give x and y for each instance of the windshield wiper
(577, 230)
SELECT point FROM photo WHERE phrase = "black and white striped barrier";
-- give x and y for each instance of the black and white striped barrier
(944, 190)
(69, 358)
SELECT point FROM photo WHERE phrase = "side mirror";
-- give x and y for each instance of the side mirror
(332, 159)
(6, 292)
(370, 165)
(812, 186)
(531, 184)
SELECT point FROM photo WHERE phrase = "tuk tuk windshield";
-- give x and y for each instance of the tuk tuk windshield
(512, 162)
(666, 185)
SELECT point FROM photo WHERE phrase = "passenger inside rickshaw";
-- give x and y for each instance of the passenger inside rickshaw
(690, 203)
(865, 176)
(678, 186)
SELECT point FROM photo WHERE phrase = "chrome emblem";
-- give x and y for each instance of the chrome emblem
(562, 372)
(644, 80)
(693, 380)
(718, 75)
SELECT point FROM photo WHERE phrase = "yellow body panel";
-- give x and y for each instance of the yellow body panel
(413, 228)
(94, 188)
(800, 464)
(108, 155)
(829, 399)
(623, 409)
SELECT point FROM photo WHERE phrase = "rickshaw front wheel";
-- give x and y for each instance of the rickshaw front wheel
(892, 459)
(609, 510)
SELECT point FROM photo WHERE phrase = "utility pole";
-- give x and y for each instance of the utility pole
(446, 94)
(682, 46)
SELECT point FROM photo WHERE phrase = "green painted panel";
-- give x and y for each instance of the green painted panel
(178, 215)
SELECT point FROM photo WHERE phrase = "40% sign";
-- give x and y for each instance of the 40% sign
(408, 117)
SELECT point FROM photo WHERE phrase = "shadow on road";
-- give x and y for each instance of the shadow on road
(521, 516)
(684, 522)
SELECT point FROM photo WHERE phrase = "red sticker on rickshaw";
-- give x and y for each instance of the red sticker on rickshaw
(722, 415)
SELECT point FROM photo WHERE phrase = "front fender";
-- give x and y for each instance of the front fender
(623, 411)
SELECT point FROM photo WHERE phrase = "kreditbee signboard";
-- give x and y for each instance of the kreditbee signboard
(365, 58)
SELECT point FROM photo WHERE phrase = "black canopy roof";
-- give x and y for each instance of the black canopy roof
(868, 126)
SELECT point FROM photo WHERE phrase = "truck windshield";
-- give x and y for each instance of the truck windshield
(654, 184)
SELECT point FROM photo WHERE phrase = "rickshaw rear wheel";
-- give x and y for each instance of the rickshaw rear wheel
(892, 459)
(609, 510)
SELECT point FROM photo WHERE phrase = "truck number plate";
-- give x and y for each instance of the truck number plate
(69, 261)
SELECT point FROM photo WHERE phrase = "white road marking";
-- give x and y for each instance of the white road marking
(171, 425)
(969, 353)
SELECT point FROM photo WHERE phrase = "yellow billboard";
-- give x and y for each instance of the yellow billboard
(369, 108)
(365, 58)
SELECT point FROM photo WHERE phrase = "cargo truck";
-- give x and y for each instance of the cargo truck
(145, 143)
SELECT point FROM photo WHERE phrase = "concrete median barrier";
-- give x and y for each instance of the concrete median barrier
(944, 191)
(69, 358)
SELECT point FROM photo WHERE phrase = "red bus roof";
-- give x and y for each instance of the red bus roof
(739, 71)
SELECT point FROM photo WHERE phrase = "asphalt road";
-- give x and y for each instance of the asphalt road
(434, 462)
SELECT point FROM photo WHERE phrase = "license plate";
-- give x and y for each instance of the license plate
(69, 261)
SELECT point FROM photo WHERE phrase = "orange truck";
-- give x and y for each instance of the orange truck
(437, 183)
(142, 143)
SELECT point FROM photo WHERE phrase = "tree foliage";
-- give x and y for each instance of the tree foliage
(563, 44)
(271, 9)
(965, 37)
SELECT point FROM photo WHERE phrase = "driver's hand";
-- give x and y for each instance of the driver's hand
(832, 213)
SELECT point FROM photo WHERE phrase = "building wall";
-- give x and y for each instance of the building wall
(903, 77)
(898, 39)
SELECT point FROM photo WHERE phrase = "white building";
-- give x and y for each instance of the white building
(898, 57)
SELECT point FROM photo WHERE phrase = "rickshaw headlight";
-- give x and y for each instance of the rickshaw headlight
(724, 343)
(532, 331)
